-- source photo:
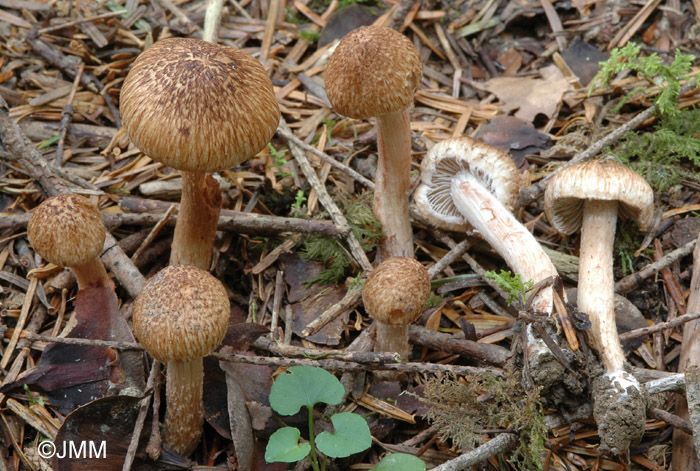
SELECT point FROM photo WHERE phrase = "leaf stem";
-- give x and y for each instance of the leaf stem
(312, 440)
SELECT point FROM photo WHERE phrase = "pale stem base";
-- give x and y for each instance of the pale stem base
(505, 234)
(184, 415)
(392, 339)
(90, 273)
(195, 230)
(596, 287)
(391, 184)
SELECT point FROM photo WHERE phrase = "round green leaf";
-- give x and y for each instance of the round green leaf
(402, 461)
(284, 446)
(351, 435)
(304, 386)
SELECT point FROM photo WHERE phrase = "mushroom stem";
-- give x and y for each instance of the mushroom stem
(505, 234)
(391, 183)
(392, 338)
(184, 415)
(195, 229)
(596, 288)
(90, 273)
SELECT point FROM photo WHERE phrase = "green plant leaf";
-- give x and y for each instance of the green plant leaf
(304, 386)
(402, 461)
(351, 435)
(284, 446)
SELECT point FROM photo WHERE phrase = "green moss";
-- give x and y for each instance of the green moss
(460, 410)
(668, 153)
(332, 252)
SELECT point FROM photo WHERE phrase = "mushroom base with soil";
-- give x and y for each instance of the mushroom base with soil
(619, 409)
(184, 415)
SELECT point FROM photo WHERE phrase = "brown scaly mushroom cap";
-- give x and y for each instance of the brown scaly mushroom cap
(374, 71)
(198, 106)
(494, 169)
(597, 180)
(67, 230)
(396, 291)
(181, 314)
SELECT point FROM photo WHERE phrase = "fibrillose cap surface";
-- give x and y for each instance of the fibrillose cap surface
(67, 230)
(396, 291)
(198, 106)
(597, 180)
(374, 71)
(491, 166)
(181, 313)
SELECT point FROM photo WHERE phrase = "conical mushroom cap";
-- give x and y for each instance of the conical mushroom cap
(181, 314)
(374, 71)
(67, 230)
(198, 106)
(396, 291)
(597, 180)
(491, 166)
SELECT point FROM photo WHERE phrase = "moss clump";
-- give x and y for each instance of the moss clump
(668, 153)
(462, 409)
(332, 252)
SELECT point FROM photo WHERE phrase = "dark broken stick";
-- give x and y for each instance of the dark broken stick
(234, 221)
(67, 117)
(89, 81)
(633, 280)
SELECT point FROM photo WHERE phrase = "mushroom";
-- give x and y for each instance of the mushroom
(465, 182)
(67, 230)
(589, 196)
(198, 107)
(375, 72)
(180, 316)
(394, 295)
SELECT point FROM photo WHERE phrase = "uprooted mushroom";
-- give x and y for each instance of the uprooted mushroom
(590, 196)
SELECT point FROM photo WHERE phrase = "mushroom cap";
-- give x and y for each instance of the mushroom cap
(373, 71)
(491, 166)
(597, 180)
(67, 230)
(198, 106)
(181, 314)
(396, 291)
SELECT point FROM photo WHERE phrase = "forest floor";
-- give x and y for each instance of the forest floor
(514, 74)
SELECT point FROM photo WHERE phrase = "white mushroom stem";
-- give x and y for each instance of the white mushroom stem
(505, 234)
(596, 287)
(195, 230)
(393, 338)
(184, 414)
(90, 274)
(391, 183)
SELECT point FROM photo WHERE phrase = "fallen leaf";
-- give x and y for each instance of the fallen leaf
(531, 96)
(514, 136)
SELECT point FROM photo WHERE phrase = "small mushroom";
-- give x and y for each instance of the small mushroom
(589, 196)
(180, 316)
(198, 107)
(394, 295)
(67, 230)
(465, 182)
(375, 72)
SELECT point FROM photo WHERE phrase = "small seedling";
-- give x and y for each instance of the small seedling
(306, 386)
(299, 201)
(279, 159)
(511, 284)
